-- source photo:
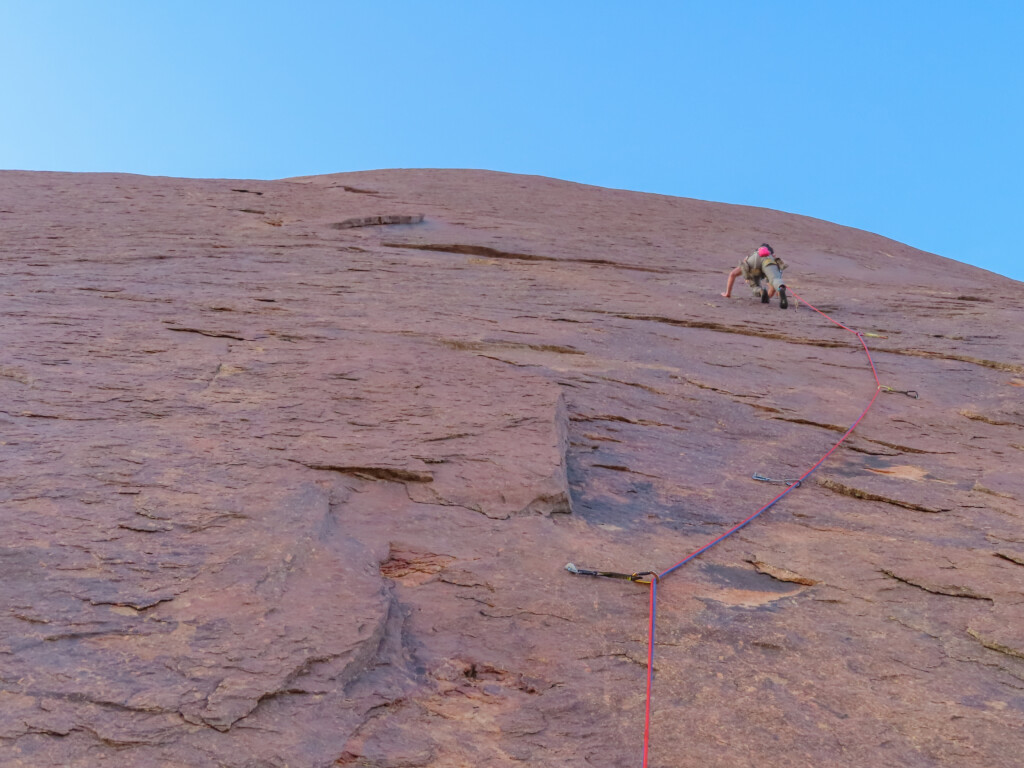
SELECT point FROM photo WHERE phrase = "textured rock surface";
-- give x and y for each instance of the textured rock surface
(286, 483)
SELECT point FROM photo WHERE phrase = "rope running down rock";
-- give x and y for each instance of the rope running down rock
(655, 577)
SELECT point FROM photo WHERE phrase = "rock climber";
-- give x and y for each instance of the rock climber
(761, 264)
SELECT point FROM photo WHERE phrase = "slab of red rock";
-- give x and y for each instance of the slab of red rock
(290, 472)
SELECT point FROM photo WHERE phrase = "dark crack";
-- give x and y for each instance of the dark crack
(621, 468)
(975, 416)
(392, 474)
(372, 221)
(837, 428)
(952, 590)
(614, 417)
(1018, 559)
(721, 328)
(857, 493)
(494, 253)
(994, 645)
(483, 346)
(204, 332)
(743, 331)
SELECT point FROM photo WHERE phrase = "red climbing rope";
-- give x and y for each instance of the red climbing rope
(650, 668)
(655, 578)
(791, 485)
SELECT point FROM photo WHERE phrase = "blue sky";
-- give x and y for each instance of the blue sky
(905, 118)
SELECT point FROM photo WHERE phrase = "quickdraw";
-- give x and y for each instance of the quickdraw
(890, 391)
(794, 483)
(635, 577)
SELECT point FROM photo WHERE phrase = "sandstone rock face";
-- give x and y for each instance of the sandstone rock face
(291, 470)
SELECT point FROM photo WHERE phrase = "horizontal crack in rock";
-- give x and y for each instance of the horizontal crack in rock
(393, 474)
(620, 468)
(140, 603)
(494, 253)
(975, 416)
(636, 384)
(358, 191)
(469, 250)
(31, 415)
(370, 221)
(808, 422)
(992, 645)
(613, 417)
(1018, 559)
(950, 590)
(482, 346)
(837, 428)
(995, 364)
(719, 327)
(452, 436)
(702, 385)
(979, 488)
(204, 332)
(857, 493)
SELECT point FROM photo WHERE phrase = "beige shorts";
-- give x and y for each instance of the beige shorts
(755, 268)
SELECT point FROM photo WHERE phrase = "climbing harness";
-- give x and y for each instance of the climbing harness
(908, 392)
(655, 577)
(763, 479)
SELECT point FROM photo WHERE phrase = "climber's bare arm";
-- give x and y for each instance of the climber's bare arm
(729, 282)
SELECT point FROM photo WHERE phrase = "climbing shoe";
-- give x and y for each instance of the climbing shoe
(783, 301)
(764, 296)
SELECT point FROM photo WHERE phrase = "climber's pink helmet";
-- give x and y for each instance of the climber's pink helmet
(764, 250)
